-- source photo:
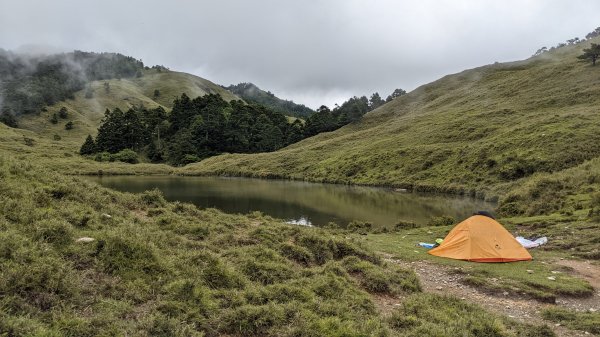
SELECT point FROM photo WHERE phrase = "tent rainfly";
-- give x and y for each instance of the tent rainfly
(481, 239)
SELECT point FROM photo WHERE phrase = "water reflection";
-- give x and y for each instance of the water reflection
(301, 202)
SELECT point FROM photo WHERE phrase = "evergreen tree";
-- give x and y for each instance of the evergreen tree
(591, 54)
(8, 118)
(88, 147)
(54, 119)
(375, 102)
(69, 125)
(396, 93)
(63, 113)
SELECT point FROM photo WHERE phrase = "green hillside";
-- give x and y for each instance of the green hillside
(477, 132)
(86, 113)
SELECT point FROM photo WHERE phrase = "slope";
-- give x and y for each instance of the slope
(253, 94)
(86, 113)
(474, 132)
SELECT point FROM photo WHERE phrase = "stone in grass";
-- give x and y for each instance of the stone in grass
(551, 278)
(85, 239)
(106, 216)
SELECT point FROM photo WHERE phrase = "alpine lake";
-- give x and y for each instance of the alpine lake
(299, 202)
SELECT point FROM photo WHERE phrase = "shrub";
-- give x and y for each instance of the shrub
(153, 198)
(360, 227)
(63, 113)
(102, 157)
(402, 224)
(126, 156)
(444, 220)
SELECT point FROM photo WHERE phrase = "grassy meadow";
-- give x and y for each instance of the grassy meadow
(524, 134)
(81, 260)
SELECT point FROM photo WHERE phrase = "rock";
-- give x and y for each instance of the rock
(593, 309)
(530, 271)
(439, 288)
(557, 324)
(106, 216)
(555, 272)
(505, 293)
(508, 307)
(85, 239)
(551, 278)
(463, 298)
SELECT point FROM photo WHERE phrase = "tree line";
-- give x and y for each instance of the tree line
(208, 125)
(325, 119)
(194, 129)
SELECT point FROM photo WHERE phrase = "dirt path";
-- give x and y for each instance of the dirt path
(444, 281)
(589, 272)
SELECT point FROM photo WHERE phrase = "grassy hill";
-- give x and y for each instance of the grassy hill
(86, 113)
(488, 131)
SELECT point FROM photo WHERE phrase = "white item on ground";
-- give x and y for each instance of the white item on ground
(531, 244)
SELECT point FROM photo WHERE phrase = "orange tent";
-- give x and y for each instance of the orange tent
(481, 239)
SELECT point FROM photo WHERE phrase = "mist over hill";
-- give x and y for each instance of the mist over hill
(251, 93)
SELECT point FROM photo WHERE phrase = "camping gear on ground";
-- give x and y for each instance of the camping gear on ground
(430, 245)
(481, 239)
(531, 243)
(426, 245)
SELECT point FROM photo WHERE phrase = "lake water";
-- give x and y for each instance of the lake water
(310, 203)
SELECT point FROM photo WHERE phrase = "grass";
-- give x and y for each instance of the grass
(585, 321)
(523, 133)
(506, 130)
(161, 268)
(527, 278)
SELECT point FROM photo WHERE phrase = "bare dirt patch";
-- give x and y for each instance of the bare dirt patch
(446, 280)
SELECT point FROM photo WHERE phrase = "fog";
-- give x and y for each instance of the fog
(314, 52)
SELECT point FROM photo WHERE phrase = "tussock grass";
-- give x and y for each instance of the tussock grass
(160, 268)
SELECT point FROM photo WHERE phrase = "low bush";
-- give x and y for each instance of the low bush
(444, 220)
(126, 156)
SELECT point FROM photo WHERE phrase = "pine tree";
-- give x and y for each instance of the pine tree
(63, 113)
(591, 53)
(88, 147)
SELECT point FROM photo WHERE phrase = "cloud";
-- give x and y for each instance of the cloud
(314, 52)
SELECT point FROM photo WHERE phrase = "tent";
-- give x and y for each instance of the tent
(481, 239)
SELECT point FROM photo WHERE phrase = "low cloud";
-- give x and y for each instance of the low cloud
(309, 51)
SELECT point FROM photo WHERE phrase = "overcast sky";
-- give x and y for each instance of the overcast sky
(314, 52)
